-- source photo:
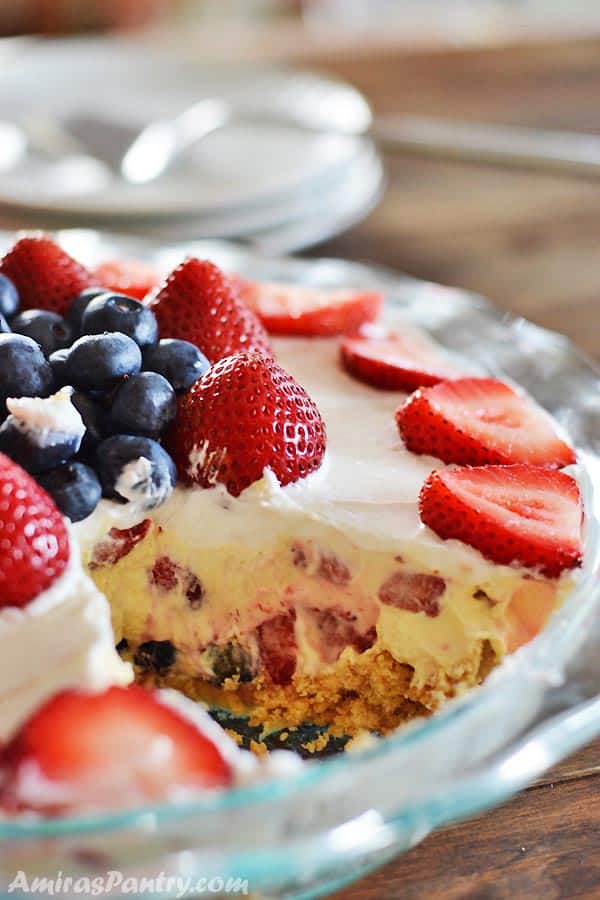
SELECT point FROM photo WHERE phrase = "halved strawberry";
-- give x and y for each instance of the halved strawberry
(33, 539)
(480, 421)
(198, 303)
(45, 276)
(396, 362)
(126, 276)
(293, 309)
(512, 514)
(92, 751)
(246, 414)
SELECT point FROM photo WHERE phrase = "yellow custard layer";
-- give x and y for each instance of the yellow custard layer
(435, 621)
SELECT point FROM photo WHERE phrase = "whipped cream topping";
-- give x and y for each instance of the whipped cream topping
(45, 418)
(136, 484)
(62, 639)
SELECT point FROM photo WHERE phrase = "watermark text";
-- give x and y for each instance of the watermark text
(113, 882)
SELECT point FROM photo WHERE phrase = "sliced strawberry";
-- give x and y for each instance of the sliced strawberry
(396, 362)
(198, 303)
(293, 309)
(45, 276)
(246, 414)
(92, 751)
(277, 647)
(126, 276)
(413, 591)
(512, 514)
(480, 421)
(33, 539)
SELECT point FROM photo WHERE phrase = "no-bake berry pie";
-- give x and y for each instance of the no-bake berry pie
(296, 515)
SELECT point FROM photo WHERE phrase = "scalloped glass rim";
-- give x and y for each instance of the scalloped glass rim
(541, 662)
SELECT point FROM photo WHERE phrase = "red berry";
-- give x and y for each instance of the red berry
(167, 575)
(198, 303)
(396, 362)
(278, 648)
(126, 276)
(293, 309)
(33, 539)
(121, 746)
(244, 415)
(320, 563)
(118, 543)
(480, 421)
(512, 514)
(44, 274)
(331, 630)
(414, 592)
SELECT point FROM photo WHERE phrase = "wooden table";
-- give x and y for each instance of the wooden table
(532, 243)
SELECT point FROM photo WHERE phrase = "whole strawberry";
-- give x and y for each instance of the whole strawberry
(33, 537)
(244, 415)
(44, 274)
(198, 303)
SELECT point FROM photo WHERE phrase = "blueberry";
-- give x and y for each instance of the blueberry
(75, 489)
(230, 660)
(46, 328)
(143, 404)
(40, 434)
(96, 421)
(4, 326)
(58, 364)
(9, 297)
(116, 312)
(155, 656)
(26, 450)
(79, 306)
(24, 371)
(99, 361)
(135, 469)
(180, 362)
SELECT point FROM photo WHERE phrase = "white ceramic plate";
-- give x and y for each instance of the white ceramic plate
(281, 227)
(132, 83)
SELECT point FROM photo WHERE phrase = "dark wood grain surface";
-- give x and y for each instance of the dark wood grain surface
(531, 242)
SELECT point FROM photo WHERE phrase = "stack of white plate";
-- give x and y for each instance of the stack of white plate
(306, 174)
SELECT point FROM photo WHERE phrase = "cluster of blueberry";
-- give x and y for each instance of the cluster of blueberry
(99, 436)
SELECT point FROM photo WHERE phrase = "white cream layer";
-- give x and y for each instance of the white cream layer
(367, 486)
(62, 639)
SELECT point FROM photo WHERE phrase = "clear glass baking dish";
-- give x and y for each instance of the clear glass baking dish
(315, 830)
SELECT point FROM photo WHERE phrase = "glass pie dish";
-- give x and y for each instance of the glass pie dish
(331, 820)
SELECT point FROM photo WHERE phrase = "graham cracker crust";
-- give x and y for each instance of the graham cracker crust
(367, 692)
